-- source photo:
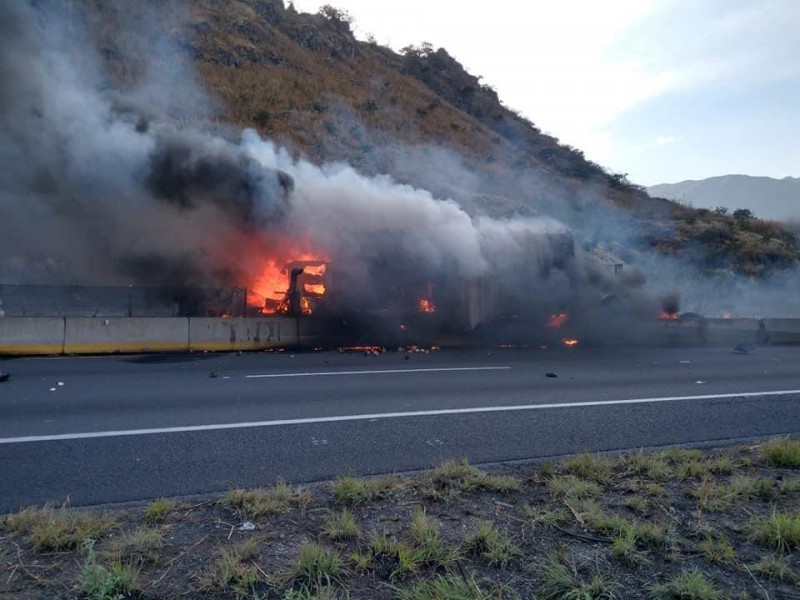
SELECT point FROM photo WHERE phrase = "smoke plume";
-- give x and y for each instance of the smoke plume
(130, 185)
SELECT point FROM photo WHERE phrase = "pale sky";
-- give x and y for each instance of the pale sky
(664, 90)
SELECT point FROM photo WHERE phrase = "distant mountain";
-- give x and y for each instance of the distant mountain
(766, 197)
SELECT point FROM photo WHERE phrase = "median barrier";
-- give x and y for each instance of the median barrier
(719, 332)
(97, 335)
(31, 335)
(672, 332)
(783, 331)
(241, 333)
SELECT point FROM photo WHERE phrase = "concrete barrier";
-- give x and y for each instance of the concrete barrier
(732, 331)
(86, 335)
(237, 333)
(783, 331)
(31, 335)
(96, 335)
(677, 332)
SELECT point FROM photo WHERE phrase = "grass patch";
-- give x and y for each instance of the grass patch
(139, 546)
(50, 530)
(304, 593)
(644, 535)
(789, 486)
(561, 581)
(426, 547)
(570, 487)
(491, 544)
(107, 582)
(428, 541)
(775, 568)
(624, 548)
(636, 503)
(353, 490)
(502, 484)
(540, 516)
(782, 453)
(689, 585)
(547, 470)
(362, 560)
(779, 531)
(747, 486)
(700, 468)
(655, 536)
(341, 526)
(591, 467)
(265, 502)
(234, 569)
(158, 509)
(317, 567)
(714, 497)
(382, 544)
(654, 466)
(442, 588)
(718, 550)
(456, 476)
(679, 456)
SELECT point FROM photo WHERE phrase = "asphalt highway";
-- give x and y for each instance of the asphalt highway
(113, 429)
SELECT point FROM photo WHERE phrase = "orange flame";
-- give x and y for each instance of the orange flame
(557, 320)
(426, 306)
(668, 315)
(570, 342)
(316, 289)
(270, 285)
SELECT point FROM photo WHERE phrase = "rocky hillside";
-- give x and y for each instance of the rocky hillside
(306, 82)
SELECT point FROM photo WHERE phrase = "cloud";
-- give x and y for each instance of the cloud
(663, 140)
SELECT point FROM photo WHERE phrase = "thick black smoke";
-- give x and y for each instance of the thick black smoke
(96, 187)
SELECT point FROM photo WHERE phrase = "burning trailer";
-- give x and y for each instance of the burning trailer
(387, 301)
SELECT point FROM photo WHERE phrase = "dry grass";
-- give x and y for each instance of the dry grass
(265, 502)
(49, 529)
(782, 453)
(139, 546)
(559, 535)
(353, 490)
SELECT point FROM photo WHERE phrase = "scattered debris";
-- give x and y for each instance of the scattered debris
(743, 348)
(213, 375)
(699, 382)
(366, 350)
(247, 526)
(551, 374)
(417, 349)
(4, 377)
(60, 384)
(52, 389)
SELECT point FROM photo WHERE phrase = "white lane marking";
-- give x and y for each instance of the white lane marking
(376, 372)
(377, 416)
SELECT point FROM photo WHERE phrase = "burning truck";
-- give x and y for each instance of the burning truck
(402, 304)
